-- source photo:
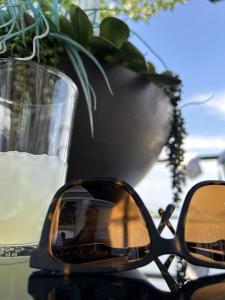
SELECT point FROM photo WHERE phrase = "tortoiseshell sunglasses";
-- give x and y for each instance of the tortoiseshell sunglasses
(102, 225)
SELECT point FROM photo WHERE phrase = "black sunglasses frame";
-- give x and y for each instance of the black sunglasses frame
(42, 258)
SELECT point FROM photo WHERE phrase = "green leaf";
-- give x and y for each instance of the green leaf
(52, 25)
(130, 51)
(67, 40)
(46, 6)
(66, 27)
(151, 67)
(133, 58)
(114, 30)
(94, 98)
(163, 79)
(104, 49)
(81, 25)
(86, 89)
(169, 73)
(135, 65)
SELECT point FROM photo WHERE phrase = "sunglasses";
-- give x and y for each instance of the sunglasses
(102, 225)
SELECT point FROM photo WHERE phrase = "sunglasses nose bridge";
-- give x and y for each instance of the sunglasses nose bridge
(168, 246)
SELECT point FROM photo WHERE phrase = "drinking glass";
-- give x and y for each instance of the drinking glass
(37, 106)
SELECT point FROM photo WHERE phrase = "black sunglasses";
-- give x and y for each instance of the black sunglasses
(102, 225)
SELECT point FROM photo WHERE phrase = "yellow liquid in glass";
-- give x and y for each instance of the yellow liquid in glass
(27, 185)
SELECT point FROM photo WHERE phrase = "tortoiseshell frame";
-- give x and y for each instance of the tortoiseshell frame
(41, 257)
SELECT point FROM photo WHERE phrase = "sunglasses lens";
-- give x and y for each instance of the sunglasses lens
(205, 224)
(209, 292)
(98, 223)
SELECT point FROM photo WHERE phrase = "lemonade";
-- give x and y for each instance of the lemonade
(28, 183)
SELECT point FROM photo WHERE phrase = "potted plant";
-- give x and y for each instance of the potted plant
(136, 111)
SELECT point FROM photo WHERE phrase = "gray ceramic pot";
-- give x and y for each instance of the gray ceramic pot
(131, 127)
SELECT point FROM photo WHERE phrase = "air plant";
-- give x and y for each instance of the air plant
(36, 20)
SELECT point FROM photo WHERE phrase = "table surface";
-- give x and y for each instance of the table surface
(19, 282)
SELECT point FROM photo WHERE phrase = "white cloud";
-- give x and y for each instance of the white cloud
(202, 143)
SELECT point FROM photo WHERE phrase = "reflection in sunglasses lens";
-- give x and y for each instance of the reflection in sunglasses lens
(210, 292)
(205, 223)
(98, 223)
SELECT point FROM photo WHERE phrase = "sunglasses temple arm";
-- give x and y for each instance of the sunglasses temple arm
(168, 262)
(165, 215)
(171, 282)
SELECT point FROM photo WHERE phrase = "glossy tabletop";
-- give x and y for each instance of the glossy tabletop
(18, 281)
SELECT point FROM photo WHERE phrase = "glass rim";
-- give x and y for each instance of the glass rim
(47, 68)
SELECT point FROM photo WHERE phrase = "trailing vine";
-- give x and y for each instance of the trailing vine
(176, 155)
(174, 148)
(181, 270)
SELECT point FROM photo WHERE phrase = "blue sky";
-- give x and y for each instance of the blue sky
(191, 40)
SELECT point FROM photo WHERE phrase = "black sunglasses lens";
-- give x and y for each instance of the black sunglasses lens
(205, 223)
(98, 223)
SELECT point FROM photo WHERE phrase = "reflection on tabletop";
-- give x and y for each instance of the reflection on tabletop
(130, 285)
(18, 281)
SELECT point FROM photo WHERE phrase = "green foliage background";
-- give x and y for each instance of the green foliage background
(135, 9)
(138, 9)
